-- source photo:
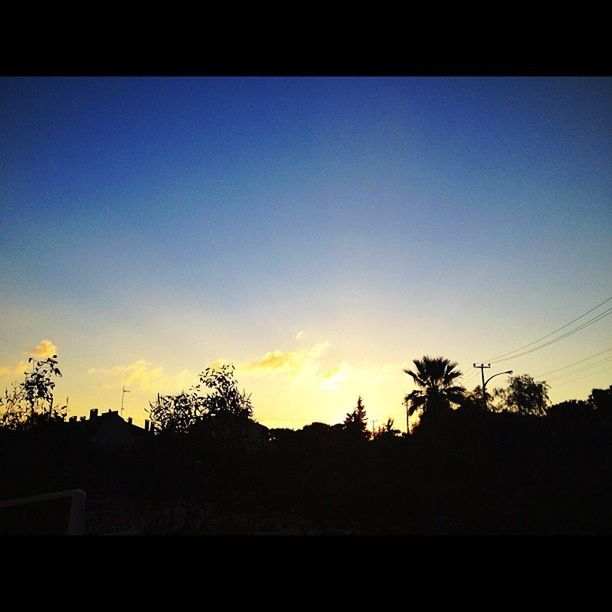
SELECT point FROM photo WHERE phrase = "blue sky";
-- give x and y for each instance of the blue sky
(181, 220)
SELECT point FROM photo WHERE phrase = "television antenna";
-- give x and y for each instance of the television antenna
(123, 392)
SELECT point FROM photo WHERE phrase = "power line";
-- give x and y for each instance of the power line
(472, 376)
(590, 366)
(469, 378)
(520, 348)
(584, 325)
(468, 372)
(575, 363)
(583, 377)
(582, 369)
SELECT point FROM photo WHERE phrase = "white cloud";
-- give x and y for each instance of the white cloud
(143, 376)
(291, 361)
(45, 348)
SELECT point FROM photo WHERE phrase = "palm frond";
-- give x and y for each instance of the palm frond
(455, 390)
(413, 396)
(416, 403)
(451, 374)
(421, 382)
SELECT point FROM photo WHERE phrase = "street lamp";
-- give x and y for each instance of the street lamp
(484, 385)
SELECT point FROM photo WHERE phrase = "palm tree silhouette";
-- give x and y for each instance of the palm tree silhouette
(435, 377)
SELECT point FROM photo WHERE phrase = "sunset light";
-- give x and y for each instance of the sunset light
(318, 234)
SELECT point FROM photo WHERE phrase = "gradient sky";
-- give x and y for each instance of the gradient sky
(320, 233)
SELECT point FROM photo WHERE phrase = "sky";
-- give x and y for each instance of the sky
(319, 233)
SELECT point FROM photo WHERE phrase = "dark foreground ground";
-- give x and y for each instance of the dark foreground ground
(473, 474)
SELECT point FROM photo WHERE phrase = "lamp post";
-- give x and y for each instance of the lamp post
(484, 385)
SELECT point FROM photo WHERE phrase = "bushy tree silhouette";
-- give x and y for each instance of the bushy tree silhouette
(224, 398)
(216, 396)
(174, 413)
(472, 401)
(31, 402)
(601, 399)
(524, 395)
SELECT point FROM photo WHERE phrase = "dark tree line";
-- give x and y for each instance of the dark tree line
(217, 397)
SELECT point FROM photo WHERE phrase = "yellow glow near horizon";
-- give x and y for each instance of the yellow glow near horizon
(289, 388)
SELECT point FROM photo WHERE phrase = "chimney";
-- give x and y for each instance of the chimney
(83, 419)
(93, 414)
(129, 420)
(146, 424)
(72, 419)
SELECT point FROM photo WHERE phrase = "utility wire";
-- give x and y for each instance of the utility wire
(584, 325)
(470, 378)
(520, 348)
(569, 365)
(606, 369)
(582, 369)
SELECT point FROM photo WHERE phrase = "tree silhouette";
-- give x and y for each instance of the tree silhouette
(435, 378)
(174, 413)
(224, 397)
(356, 422)
(524, 395)
(216, 396)
(387, 431)
(472, 401)
(601, 399)
(570, 408)
(31, 402)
